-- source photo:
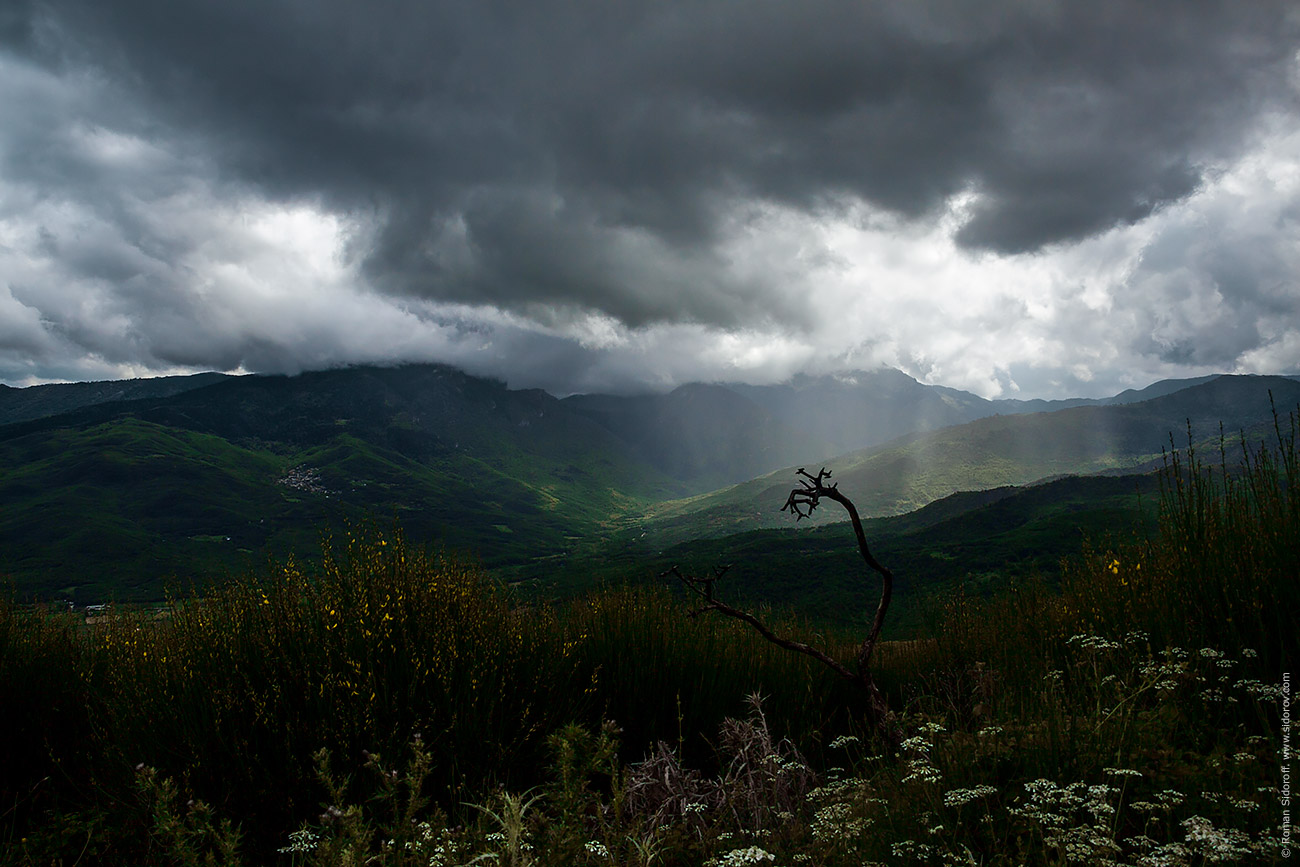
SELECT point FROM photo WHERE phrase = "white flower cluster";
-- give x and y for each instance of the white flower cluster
(1092, 643)
(441, 848)
(1261, 691)
(301, 842)
(1055, 809)
(958, 797)
(836, 822)
(741, 857)
(921, 770)
(1215, 844)
(1122, 772)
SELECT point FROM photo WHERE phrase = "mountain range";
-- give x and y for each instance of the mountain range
(116, 489)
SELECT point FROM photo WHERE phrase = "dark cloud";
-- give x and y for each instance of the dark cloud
(600, 195)
(588, 154)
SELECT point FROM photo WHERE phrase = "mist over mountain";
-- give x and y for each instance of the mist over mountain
(1013, 449)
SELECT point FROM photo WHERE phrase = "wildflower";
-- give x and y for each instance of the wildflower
(300, 842)
(1122, 772)
(922, 771)
(835, 822)
(740, 857)
(912, 850)
(1169, 798)
(1092, 643)
(1261, 691)
(1215, 844)
(597, 848)
(958, 797)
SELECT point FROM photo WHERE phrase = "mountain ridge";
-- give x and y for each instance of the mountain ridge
(138, 489)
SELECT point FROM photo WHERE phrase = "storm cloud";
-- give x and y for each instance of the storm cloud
(1032, 195)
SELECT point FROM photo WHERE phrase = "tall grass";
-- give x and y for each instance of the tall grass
(1224, 566)
(46, 713)
(240, 688)
(233, 694)
(1222, 570)
(663, 675)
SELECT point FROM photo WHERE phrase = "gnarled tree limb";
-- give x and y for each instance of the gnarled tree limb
(801, 502)
(703, 587)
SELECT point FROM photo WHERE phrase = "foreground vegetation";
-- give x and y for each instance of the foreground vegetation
(392, 707)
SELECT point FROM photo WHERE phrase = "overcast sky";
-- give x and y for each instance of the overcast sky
(1021, 198)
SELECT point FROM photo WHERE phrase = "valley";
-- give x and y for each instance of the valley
(124, 491)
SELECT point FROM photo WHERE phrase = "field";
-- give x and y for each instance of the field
(393, 706)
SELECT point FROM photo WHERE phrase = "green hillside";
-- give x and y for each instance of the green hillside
(121, 508)
(119, 499)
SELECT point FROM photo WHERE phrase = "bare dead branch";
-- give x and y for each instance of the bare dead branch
(801, 502)
(703, 587)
